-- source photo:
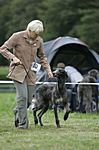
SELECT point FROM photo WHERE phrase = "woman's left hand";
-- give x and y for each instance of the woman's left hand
(50, 74)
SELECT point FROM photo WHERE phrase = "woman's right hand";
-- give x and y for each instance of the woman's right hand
(16, 61)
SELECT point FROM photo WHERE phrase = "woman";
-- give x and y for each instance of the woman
(26, 45)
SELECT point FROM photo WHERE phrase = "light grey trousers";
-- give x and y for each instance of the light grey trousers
(24, 95)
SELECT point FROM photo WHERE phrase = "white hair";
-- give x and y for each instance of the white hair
(36, 26)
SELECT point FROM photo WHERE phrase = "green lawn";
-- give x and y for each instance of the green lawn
(79, 132)
(3, 72)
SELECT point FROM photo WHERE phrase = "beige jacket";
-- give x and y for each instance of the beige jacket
(26, 51)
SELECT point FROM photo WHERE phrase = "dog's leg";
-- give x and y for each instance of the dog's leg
(35, 114)
(35, 117)
(56, 116)
(88, 106)
(96, 99)
(44, 109)
(66, 111)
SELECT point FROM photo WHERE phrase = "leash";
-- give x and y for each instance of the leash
(27, 73)
(24, 69)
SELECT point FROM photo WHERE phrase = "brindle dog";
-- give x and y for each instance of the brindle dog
(51, 95)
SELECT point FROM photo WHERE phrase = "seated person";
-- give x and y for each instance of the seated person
(74, 75)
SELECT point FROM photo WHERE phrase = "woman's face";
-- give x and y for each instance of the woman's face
(32, 34)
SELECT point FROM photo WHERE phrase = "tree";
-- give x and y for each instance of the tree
(71, 18)
(61, 18)
(14, 16)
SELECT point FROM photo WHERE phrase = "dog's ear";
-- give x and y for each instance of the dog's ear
(66, 74)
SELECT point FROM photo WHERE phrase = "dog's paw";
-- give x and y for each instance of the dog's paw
(36, 122)
(66, 116)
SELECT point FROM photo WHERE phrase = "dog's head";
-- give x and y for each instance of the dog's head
(60, 73)
(93, 73)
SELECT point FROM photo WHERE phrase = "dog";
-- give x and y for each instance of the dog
(51, 95)
(86, 93)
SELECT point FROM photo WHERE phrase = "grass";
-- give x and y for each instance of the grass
(79, 132)
(4, 72)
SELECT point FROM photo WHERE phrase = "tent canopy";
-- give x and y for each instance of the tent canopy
(72, 52)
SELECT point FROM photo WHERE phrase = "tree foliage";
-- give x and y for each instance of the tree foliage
(61, 18)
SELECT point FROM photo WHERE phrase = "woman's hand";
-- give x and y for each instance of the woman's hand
(50, 74)
(16, 61)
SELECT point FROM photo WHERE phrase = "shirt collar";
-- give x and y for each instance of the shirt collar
(26, 36)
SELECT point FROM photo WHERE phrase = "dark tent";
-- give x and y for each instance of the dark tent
(70, 51)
